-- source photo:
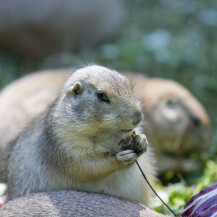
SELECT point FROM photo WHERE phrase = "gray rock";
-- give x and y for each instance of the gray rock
(73, 203)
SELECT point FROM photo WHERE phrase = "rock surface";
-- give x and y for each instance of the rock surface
(73, 203)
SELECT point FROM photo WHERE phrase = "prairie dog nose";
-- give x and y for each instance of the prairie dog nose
(137, 117)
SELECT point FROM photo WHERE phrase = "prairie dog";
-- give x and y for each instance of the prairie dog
(74, 144)
(73, 203)
(178, 123)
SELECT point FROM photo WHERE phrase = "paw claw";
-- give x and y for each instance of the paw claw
(142, 146)
(132, 148)
(126, 158)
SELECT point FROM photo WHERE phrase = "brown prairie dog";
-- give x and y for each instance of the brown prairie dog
(74, 143)
(177, 123)
(73, 203)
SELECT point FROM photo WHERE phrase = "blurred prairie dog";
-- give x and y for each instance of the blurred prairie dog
(74, 144)
(73, 203)
(23, 100)
(176, 121)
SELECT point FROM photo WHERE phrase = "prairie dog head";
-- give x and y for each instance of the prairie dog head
(179, 122)
(96, 105)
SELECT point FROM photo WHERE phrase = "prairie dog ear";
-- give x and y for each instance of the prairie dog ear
(75, 89)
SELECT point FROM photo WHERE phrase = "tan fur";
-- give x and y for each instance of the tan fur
(73, 203)
(68, 145)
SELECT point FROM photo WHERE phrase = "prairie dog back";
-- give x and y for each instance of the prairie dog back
(23, 100)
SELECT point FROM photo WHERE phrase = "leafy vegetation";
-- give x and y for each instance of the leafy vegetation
(176, 195)
(164, 38)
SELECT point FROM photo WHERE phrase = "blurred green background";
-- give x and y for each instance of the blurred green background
(164, 38)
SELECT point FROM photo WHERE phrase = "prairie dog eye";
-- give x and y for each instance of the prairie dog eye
(170, 103)
(103, 97)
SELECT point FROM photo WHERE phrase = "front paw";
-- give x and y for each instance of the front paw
(126, 158)
(142, 144)
(136, 143)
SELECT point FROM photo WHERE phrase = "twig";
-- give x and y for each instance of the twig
(154, 190)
